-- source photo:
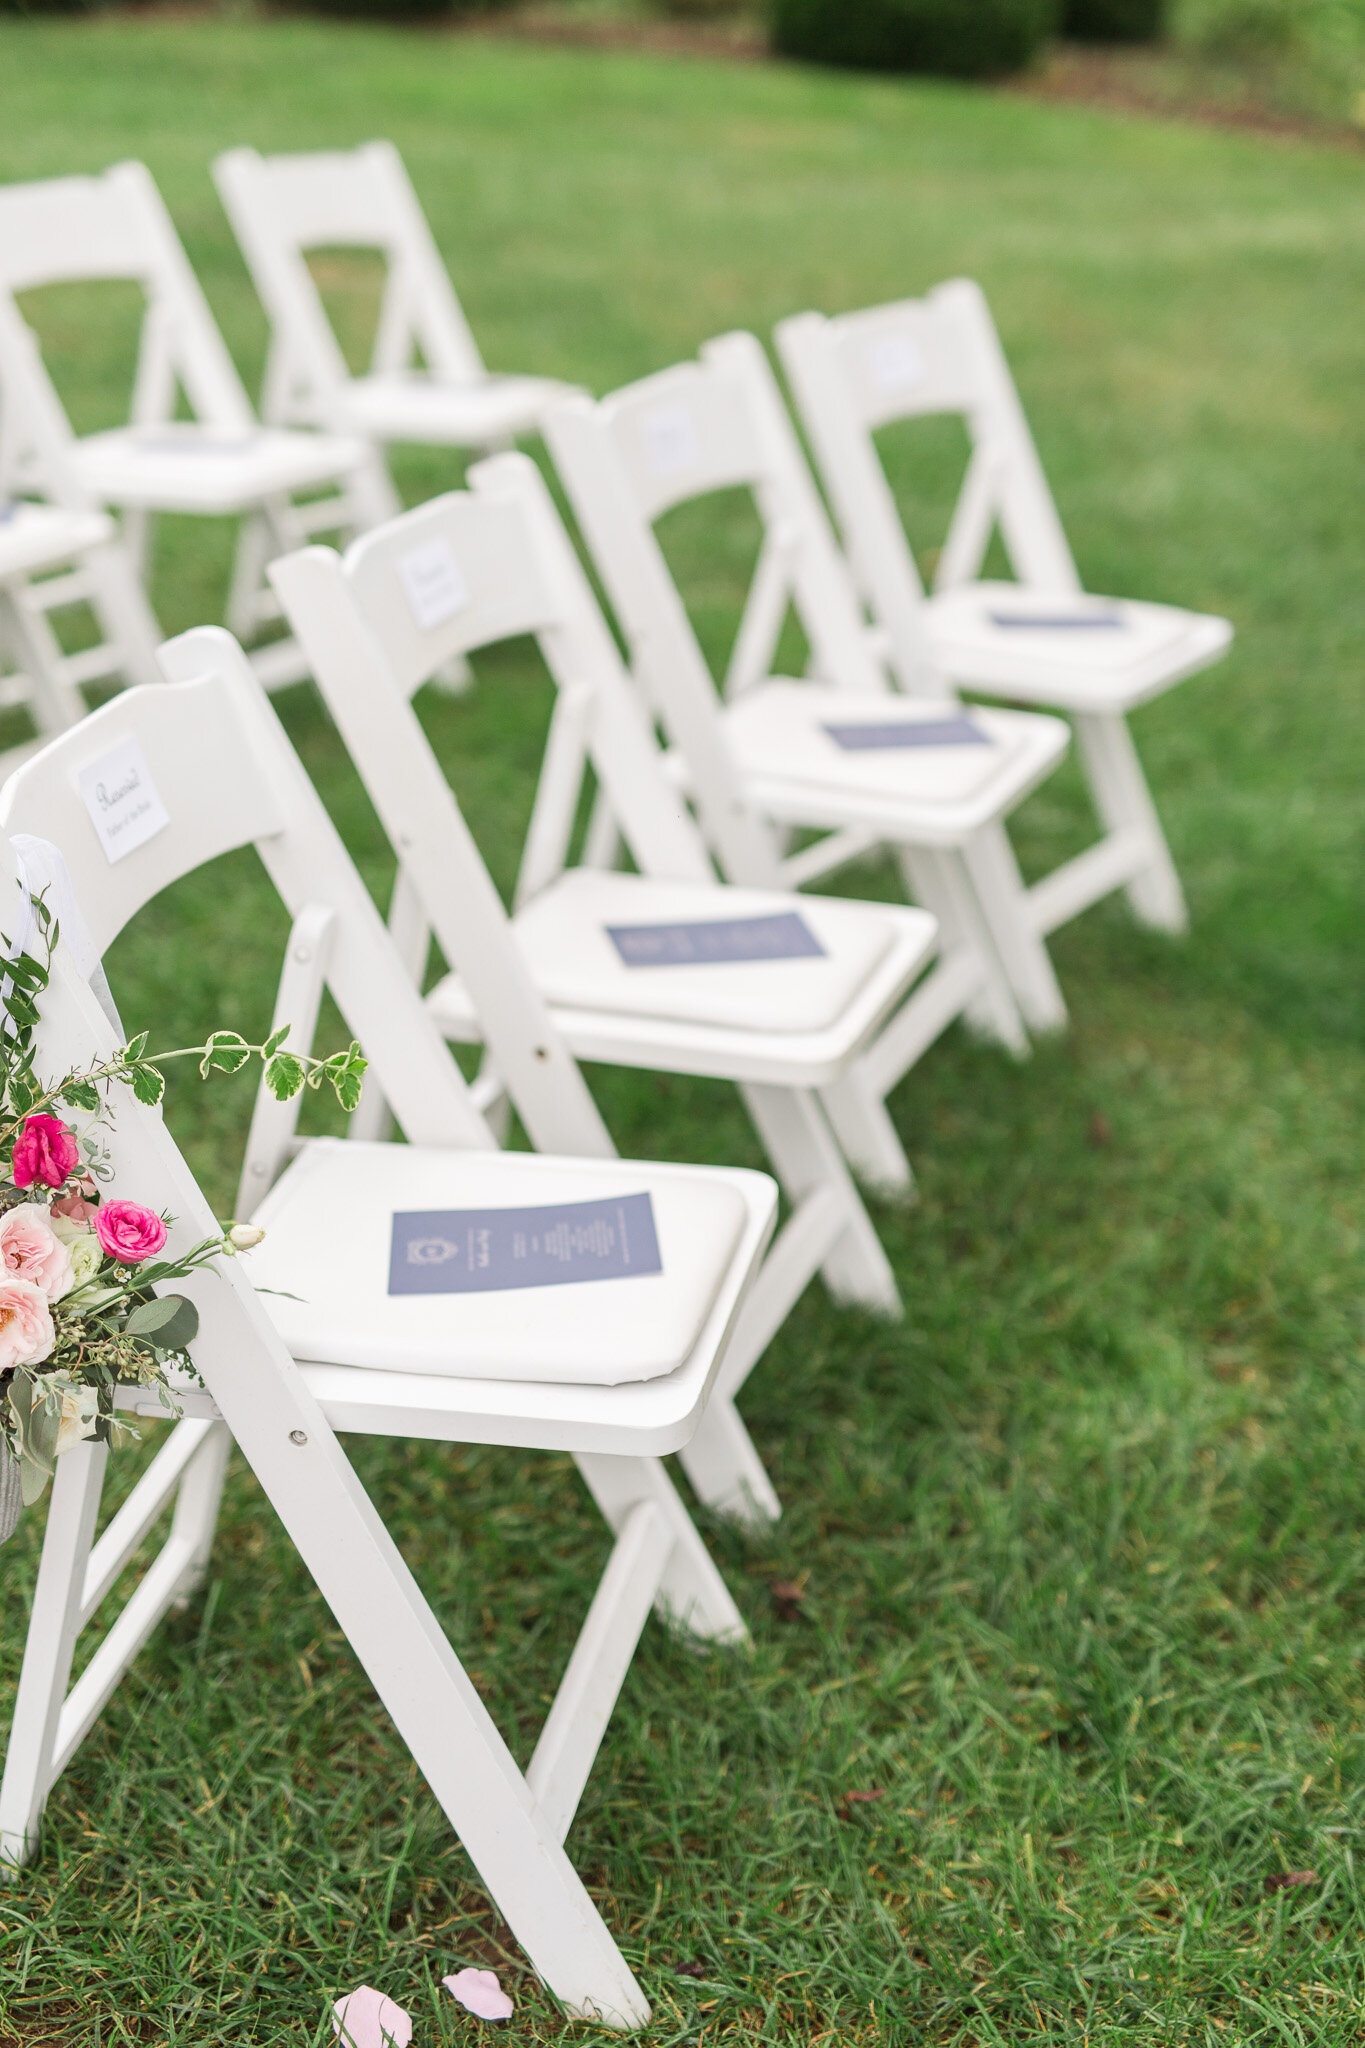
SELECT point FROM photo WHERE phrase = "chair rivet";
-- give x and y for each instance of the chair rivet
(298, 1436)
(302, 954)
(542, 1053)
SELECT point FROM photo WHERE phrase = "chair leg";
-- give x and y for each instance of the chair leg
(124, 611)
(53, 1627)
(803, 1151)
(196, 1506)
(1124, 803)
(726, 1471)
(55, 704)
(255, 547)
(372, 493)
(869, 1140)
(989, 861)
(937, 879)
(692, 1594)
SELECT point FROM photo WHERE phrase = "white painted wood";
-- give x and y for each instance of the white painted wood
(577, 1721)
(853, 374)
(281, 207)
(798, 1023)
(225, 775)
(767, 762)
(50, 559)
(220, 462)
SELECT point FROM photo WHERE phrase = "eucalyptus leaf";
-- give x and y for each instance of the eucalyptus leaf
(11, 1492)
(170, 1322)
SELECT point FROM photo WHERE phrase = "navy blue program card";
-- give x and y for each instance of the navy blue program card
(783, 936)
(477, 1251)
(904, 732)
(1082, 622)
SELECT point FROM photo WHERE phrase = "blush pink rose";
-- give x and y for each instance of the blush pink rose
(30, 1249)
(129, 1232)
(79, 1202)
(26, 1332)
(46, 1151)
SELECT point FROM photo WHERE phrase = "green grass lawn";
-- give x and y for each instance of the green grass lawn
(1081, 1539)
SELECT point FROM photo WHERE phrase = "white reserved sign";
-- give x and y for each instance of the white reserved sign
(670, 440)
(122, 800)
(432, 583)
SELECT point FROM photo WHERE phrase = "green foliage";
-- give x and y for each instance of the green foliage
(1114, 21)
(958, 38)
(1326, 35)
(169, 1322)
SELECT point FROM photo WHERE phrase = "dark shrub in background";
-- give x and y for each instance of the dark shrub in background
(1114, 21)
(960, 38)
(397, 13)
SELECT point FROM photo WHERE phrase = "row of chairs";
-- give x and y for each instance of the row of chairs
(777, 761)
(699, 959)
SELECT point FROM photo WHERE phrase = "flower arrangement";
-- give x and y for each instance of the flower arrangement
(83, 1303)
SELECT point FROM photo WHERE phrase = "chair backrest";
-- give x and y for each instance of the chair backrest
(860, 371)
(628, 458)
(106, 228)
(466, 571)
(283, 206)
(165, 778)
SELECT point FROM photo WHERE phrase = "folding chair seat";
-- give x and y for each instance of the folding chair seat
(616, 1364)
(840, 754)
(1038, 641)
(662, 969)
(281, 207)
(220, 462)
(51, 558)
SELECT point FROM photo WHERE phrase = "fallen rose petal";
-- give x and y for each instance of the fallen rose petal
(365, 2018)
(1285, 1880)
(696, 1968)
(788, 1595)
(864, 1798)
(479, 1992)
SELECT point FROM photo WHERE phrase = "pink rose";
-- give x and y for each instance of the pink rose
(26, 1332)
(46, 1151)
(129, 1232)
(30, 1249)
(80, 1203)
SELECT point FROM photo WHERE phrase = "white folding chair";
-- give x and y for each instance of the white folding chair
(616, 1371)
(1037, 641)
(791, 1018)
(840, 754)
(284, 486)
(281, 207)
(50, 559)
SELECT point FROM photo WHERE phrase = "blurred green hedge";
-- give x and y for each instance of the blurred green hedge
(958, 38)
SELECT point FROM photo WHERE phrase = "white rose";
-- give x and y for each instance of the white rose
(83, 1246)
(79, 1408)
(244, 1237)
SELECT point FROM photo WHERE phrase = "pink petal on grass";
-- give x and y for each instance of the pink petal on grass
(367, 2019)
(479, 1992)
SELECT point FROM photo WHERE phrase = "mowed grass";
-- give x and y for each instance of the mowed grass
(1080, 1539)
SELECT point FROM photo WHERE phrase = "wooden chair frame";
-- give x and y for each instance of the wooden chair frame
(281, 207)
(116, 227)
(942, 354)
(518, 574)
(211, 736)
(720, 422)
